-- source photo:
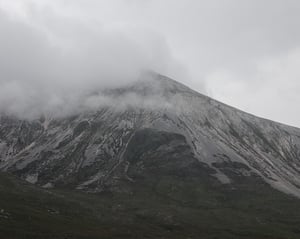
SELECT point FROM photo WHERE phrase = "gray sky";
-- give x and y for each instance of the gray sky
(245, 53)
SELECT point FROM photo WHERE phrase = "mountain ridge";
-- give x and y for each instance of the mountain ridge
(86, 151)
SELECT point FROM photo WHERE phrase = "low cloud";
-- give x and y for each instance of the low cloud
(53, 67)
(228, 48)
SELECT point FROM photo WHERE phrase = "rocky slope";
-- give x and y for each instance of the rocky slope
(151, 128)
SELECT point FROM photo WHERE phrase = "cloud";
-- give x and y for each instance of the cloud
(52, 65)
(224, 45)
(271, 90)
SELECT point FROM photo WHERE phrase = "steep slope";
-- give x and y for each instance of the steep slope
(101, 149)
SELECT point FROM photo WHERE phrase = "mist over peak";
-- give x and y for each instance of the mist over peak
(52, 67)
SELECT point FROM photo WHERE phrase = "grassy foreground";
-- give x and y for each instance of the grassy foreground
(164, 208)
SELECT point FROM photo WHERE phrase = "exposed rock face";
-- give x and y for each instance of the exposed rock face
(172, 130)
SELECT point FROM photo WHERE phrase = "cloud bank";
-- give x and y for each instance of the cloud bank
(53, 67)
(227, 47)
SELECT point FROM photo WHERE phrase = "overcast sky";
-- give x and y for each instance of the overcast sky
(245, 53)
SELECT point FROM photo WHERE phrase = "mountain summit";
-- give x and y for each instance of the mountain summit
(147, 130)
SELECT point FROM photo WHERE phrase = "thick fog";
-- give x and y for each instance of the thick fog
(244, 53)
(55, 69)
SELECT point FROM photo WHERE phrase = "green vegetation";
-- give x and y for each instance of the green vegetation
(165, 207)
(165, 193)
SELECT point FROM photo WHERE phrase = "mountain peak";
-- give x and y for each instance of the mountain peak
(151, 84)
(88, 151)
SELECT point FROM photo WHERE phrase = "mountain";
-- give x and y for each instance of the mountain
(166, 161)
(101, 148)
